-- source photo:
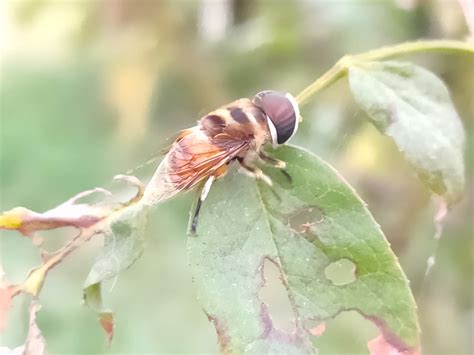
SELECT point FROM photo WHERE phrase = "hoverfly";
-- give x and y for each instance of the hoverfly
(234, 132)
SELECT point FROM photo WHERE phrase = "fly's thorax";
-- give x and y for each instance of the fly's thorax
(241, 119)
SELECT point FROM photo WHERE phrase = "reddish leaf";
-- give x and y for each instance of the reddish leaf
(5, 300)
(380, 346)
(35, 343)
(106, 320)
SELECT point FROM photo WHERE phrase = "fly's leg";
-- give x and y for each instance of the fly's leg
(204, 192)
(255, 172)
(280, 164)
(272, 161)
(202, 197)
(194, 221)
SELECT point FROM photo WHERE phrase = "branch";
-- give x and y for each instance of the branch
(89, 219)
(339, 70)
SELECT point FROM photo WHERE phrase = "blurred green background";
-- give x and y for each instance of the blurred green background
(90, 89)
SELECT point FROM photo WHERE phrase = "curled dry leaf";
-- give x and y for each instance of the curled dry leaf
(115, 220)
(124, 240)
(68, 214)
(35, 343)
(123, 244)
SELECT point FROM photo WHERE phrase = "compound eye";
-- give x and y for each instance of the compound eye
(283, 113)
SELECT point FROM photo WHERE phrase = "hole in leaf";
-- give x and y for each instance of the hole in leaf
(55, 238)
(275, 296)
(341, 272)
(347, 333)
(305, 218)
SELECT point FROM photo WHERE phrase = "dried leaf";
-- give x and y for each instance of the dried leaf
(5, 300)
(93, 299)
(67, 214)
(35, 343)
(119, 222)
(124, 242)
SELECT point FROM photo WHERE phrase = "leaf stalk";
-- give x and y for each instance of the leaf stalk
(340, 69)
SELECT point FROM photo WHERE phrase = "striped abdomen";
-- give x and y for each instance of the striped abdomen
(240, 120)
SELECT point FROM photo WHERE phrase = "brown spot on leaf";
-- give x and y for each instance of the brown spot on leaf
(222, 334)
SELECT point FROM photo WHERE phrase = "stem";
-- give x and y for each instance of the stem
(418, 46)
(332, 75)
(340, 68)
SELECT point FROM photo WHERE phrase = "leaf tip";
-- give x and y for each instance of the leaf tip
(12, 219)
(106, 320)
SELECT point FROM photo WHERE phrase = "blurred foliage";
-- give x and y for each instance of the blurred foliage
(93, 88)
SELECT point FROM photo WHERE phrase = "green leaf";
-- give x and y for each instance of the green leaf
(304, 228)
(123, 245)
(413, 106)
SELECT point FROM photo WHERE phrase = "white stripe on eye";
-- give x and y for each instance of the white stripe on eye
(273, 132)
(296, 108)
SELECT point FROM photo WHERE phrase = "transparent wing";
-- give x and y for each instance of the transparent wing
(191, 159)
